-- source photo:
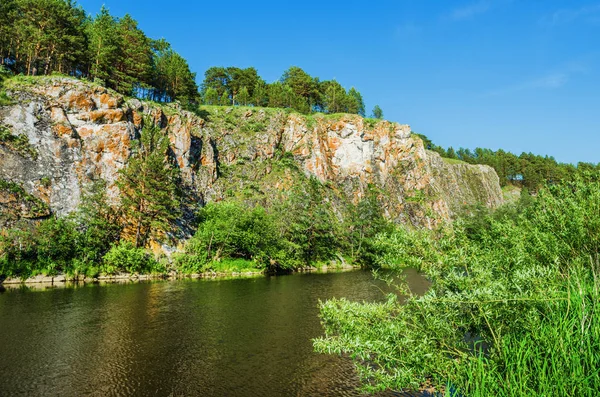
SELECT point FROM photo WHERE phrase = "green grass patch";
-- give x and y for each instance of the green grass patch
(17, 143)
(229, 265)
(370, 123)
(453, 161)
(4, 98)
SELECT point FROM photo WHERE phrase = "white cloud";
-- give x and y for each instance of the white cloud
(469, 11)
(566, 16)
(553, 80)
(550, 81)
(407, 29)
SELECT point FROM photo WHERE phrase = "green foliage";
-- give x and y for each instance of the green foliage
(17, 252)
(98, 223)
(83, 244)
(310, 232)
(103, 45)
(43, 36)
(4, 74)
(47, 248)
(225, 101)
(334, 97)
(377, 113)
(234, 265)
(4, 99)
(56, 36)
(310, 225)
(513, 309)
(211, 96)
(355, 103)
(172, 78)
(229, 230)
(526, 170)
(243, 97)
(54, 244)
(228, 83)
(125, 257)
(37, 206)
(149, 195)
(18, 143)
(363, 223)
(295, 90)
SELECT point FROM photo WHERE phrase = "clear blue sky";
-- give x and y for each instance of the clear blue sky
(517, 75)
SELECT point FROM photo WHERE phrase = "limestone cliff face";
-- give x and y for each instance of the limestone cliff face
(80, 132)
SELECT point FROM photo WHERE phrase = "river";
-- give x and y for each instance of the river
(241, 337)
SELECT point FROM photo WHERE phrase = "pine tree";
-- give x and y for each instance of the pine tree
(334, 97)
(211, 97)
(172, 76)
(277, 98)
(260, 96)
(8, 10)
(302, 84)
(133, 69)
(310, 223)
(103, 44)
(377, 112)
(149, 195)
(243, 97)
(225, 101)
(355, 102)
(46, 36)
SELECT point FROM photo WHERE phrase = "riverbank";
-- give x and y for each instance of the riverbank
(45, 281)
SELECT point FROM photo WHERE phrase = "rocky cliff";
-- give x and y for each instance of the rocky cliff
(60, 134)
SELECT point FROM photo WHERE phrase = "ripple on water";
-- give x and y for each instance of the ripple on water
(247, 337)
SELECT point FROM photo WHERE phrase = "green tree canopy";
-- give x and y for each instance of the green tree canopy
(334, 96)
(149, 195)
(377, 112)
(172, 76)
(355, 102)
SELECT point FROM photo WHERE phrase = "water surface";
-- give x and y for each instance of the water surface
(245, 337)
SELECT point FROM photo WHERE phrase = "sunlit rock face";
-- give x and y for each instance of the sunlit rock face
(81, 132)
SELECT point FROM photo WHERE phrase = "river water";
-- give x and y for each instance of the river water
(242, 337)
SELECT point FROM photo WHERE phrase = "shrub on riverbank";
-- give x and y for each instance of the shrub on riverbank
(513, 309)
(127, 258)
(299, 230)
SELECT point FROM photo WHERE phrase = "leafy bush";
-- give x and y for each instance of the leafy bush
(4, 74)
(229, 230)
(513, 309)
(56, 244)
(125, 257)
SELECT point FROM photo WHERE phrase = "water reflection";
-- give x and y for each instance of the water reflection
(245, 337)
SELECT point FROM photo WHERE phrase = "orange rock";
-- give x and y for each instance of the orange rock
(62, 130)
(81, 102)
(106, 116)
(137, 119)
(109, 102)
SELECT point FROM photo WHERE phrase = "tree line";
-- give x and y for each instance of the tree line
(527, 170)
(296, 89)
(41, 37)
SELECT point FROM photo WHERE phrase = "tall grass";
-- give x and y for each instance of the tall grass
(557, 355)
(513, 309)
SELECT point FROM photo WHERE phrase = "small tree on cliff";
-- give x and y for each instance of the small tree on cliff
(149, 196)
(377, 112)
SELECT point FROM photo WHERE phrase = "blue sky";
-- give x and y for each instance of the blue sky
(523, 76)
